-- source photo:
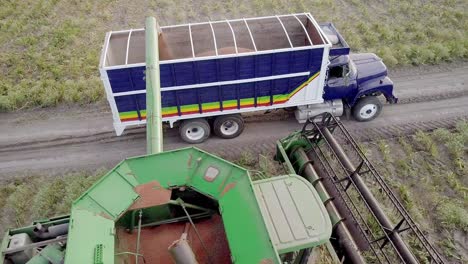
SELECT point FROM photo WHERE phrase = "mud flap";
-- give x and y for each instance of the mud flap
(347, 112)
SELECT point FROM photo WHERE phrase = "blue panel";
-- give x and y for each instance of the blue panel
(166, 75)
(263, 88)
(300, 61)
(227, 69)
(246, 67)
(264, 65)
(138, 78)
(247, 90)
(168, 98)
(281, 86)
(243, 67)
(207, 71)
(209, 94)
(187, 97)
(229, 92)
(141, 99)
(184, 73)
(315, 60)
(281, 63)
(128, 79)
(126, 103)
(296, 81)
(339, 51)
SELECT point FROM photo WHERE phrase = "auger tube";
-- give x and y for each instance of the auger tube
(346, 240)
(154, 138)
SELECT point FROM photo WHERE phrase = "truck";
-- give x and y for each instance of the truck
(213, 72)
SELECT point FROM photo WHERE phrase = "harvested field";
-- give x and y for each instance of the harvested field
(49, 50)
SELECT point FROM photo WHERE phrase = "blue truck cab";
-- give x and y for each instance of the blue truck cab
(356, 79)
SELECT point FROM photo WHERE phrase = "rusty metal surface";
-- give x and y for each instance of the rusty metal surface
(155, 242)
(151, 194)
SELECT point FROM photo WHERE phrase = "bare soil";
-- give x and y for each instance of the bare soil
(430, 185)
(67, 139)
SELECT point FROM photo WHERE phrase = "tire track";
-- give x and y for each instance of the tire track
(260, 138)
(47, 142)
(393, 131)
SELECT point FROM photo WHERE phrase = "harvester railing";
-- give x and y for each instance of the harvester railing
(405, 216)
(356, 216)
(374, 218)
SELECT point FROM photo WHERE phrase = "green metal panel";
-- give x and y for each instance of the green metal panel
(101, 197)
(4, 245)
(294, 214)
(86, 231)
(95, 212)
(51, 254)
(247, 235)
(173, 168)
(124, 170)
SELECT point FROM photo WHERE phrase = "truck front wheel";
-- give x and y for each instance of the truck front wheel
(228, 126)
(367, 108)
(194, 131)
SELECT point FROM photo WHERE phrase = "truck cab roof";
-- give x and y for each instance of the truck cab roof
(339, 60)
(339, 44)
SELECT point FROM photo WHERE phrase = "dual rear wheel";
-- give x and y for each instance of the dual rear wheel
(197, 130)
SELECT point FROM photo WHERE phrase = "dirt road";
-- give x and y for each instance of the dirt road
(54, 141)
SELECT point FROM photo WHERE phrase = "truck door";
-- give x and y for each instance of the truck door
(340, 83)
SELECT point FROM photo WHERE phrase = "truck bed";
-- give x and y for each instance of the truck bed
(218, 67)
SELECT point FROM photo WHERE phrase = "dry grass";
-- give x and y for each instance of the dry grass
(261, 166)
(428, 172)
(49, 49)
(26, 199)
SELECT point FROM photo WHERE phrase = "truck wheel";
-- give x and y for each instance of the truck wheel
(367, 108)
(194, 131)
(228, 126)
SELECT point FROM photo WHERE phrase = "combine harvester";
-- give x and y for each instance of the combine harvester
(188, 206)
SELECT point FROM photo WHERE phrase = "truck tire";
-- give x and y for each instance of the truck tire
(228, 126)
(194, 131)
(367, 108)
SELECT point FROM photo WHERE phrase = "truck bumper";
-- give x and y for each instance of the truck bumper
(391, 99)
(388, 93)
